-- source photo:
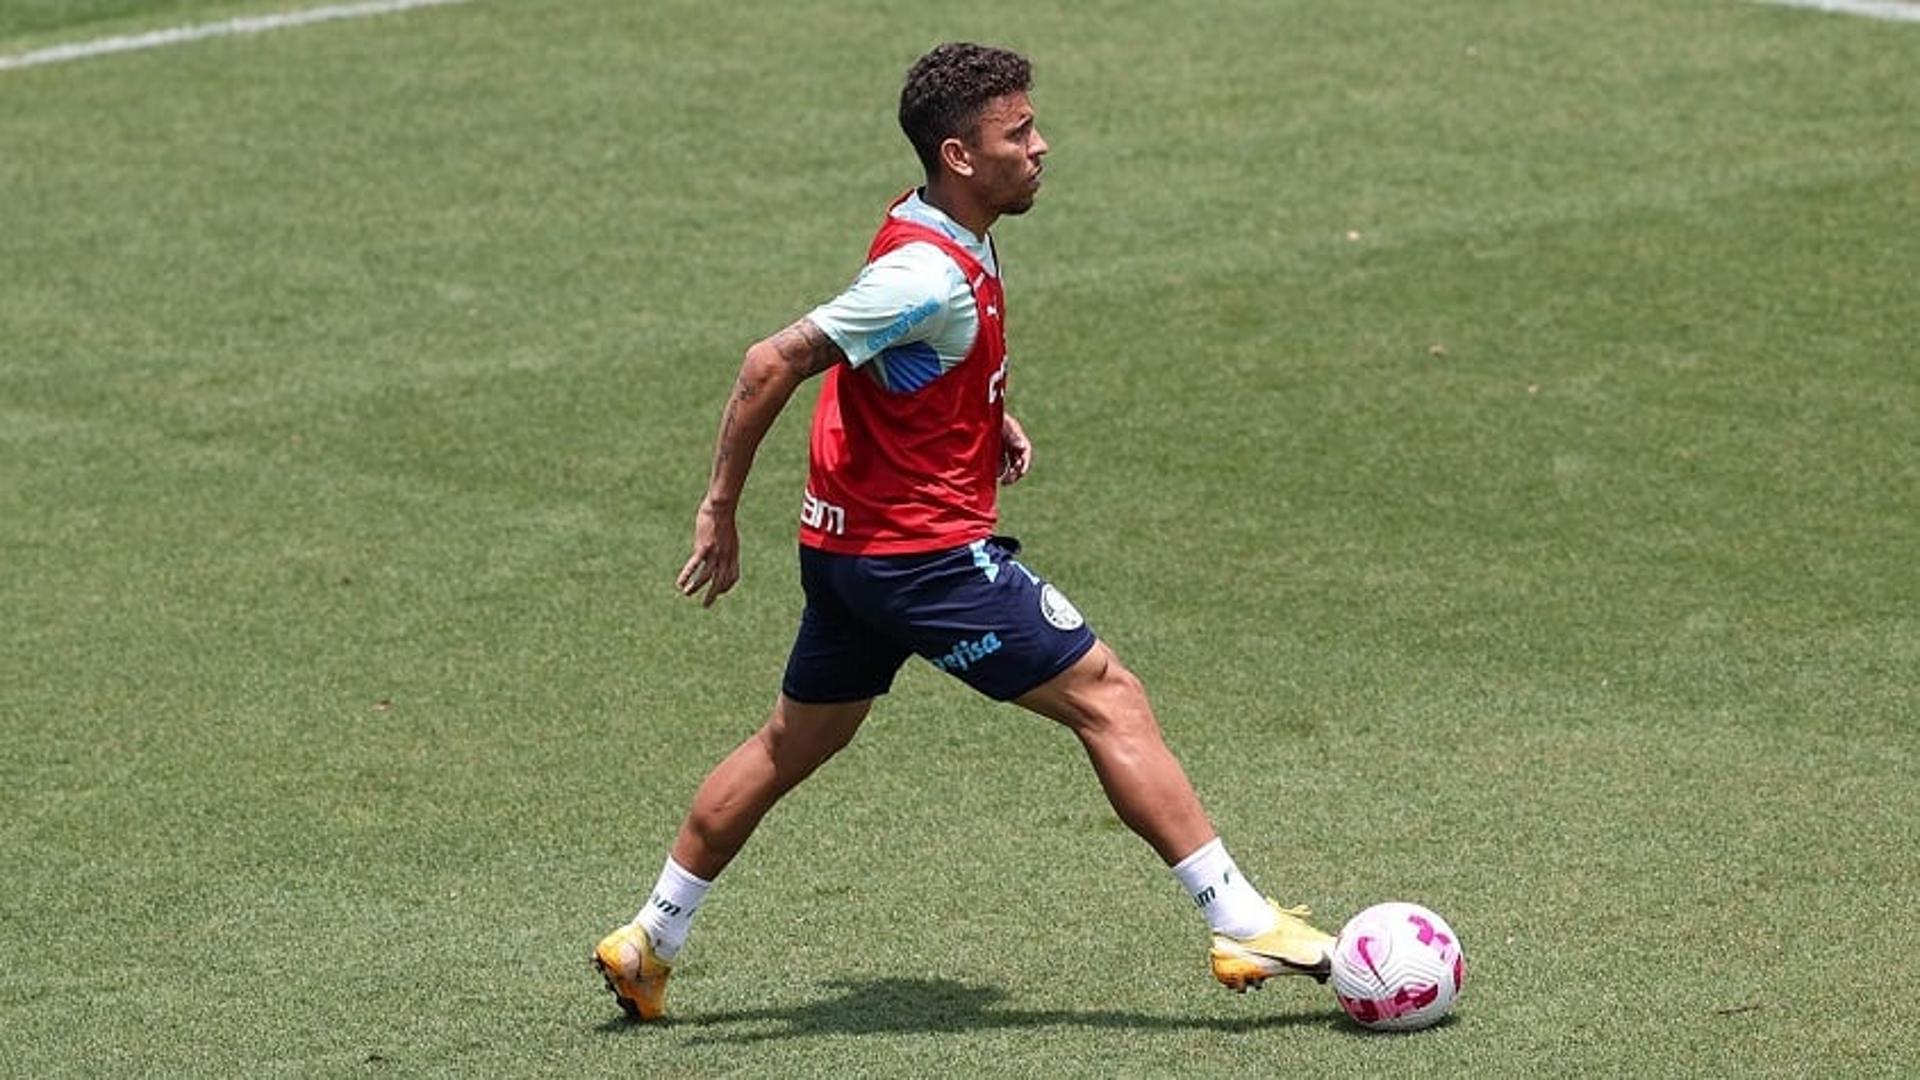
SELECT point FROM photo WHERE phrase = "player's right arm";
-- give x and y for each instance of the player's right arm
(772, 370)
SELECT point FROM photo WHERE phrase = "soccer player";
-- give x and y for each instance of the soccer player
(898, 551)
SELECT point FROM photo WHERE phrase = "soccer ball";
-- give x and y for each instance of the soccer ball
(1397, 967)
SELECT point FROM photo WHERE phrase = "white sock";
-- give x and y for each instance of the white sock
(668, 913)
(1222, 893)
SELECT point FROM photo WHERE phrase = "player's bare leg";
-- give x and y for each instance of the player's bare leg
(1106, 707)
(797, 738)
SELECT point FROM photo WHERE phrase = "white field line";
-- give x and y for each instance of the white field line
(1890, 10)
(252, 24)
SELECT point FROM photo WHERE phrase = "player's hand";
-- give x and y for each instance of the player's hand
(715, 562)
(1016, 450)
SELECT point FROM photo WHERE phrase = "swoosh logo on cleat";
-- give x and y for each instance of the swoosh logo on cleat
(1319, 969)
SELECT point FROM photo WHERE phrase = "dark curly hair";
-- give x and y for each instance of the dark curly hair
(948, 88)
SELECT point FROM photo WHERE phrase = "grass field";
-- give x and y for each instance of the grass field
(1490, 429)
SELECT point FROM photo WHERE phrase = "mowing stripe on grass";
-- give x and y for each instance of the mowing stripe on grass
(1891, 10)
(254, 24)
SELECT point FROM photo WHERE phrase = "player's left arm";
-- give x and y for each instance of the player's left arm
(1016, 450)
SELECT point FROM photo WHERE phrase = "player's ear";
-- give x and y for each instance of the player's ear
(954, 155)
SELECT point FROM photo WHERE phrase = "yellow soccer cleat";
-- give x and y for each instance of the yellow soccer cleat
(1293, 947)
(636, 976)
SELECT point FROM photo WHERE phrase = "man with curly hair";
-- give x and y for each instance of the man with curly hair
(898, 551)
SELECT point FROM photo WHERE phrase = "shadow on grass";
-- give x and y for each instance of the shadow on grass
(934, 1007)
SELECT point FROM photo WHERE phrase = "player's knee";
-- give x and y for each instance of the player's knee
(1114, 704)
(1123, 683)
(1115, 686)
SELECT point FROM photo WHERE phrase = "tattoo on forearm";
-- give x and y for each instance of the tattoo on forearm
(806, 348)
(726, 428)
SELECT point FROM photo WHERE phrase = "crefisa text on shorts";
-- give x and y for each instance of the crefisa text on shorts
(965, 654)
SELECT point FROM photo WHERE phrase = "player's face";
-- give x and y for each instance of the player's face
(1006, 150)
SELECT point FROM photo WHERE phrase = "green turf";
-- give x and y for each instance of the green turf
(1490, 429)
(74, 20)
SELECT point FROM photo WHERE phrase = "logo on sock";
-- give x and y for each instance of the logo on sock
(1208, 895)
(667, 907)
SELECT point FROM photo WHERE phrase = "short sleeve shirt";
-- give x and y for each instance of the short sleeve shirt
(910, 314)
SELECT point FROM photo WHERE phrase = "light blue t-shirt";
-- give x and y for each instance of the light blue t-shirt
(909, 316)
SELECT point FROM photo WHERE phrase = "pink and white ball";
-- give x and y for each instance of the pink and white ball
(1397, 967)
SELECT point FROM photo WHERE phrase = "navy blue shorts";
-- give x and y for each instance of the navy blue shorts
(973, 612)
